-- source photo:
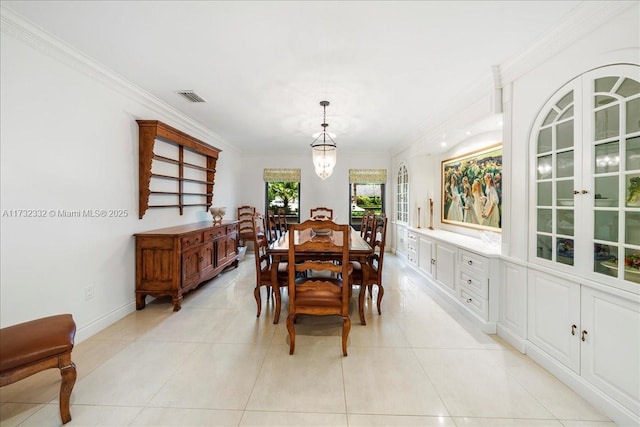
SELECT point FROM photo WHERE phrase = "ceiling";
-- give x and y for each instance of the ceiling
(389, 69)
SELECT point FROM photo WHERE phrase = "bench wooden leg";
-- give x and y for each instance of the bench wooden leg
(68, 373)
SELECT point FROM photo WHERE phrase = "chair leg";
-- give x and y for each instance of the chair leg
(361, 295)
(268, 293)
(380, 295)
(346, 327)
(256, 294)
(69, 375)
(278, 297)
(292, 333)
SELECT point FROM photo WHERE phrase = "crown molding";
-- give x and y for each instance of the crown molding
(14, 25)
(582, 20)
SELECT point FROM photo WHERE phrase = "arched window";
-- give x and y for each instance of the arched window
(402, 194)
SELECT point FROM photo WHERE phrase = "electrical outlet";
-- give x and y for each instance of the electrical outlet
(88, 292)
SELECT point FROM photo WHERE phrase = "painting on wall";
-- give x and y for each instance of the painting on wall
(472, 189)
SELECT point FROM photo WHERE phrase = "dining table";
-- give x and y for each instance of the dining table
(359, 251)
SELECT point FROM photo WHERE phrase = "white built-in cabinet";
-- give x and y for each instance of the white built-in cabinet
(585, 178)
(593, 332)
(461, 267)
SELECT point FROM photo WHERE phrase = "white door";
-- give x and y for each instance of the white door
(554, 317)
(425, 256)
(611, 346)
(446, 266)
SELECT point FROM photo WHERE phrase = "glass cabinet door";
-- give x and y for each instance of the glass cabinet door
(615, 114)
(555, 174)
(586, 178)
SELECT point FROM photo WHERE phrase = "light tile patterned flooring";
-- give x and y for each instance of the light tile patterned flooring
(215, 364)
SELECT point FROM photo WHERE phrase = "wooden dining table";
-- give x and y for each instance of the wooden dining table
(359, 250)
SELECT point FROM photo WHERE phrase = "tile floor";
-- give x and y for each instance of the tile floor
(215, 364)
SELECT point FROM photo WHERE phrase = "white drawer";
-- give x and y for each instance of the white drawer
(478, 305)
(477, 284)
(472, 262)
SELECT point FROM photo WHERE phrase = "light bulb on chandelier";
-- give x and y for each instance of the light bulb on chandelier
(323, 149)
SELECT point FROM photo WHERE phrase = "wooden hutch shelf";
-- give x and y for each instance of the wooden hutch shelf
(149, 132)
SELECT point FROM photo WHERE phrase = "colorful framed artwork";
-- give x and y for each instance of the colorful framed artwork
(472, 189)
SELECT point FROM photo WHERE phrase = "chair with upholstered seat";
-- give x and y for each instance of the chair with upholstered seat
(373, 265)
(314, 246)
(264, 266)
(321, 212)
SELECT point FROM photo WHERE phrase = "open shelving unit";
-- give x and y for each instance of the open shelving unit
(189, 176)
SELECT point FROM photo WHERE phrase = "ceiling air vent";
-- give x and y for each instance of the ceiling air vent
(191, 96)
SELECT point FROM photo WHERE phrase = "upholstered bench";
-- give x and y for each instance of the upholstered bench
(31, 347)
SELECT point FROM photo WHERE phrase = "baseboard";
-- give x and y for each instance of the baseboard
(609, 407)
(509, 336)
(97, 325)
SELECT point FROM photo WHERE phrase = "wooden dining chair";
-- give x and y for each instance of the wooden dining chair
(264, 266)
(281, 222)
(273, 233)
(245, 223)
(314, 245)
(321, 212)
(373, 265)
(368, 220)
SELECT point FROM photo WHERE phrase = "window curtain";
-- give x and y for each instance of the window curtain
(282, 175)
(367, 176)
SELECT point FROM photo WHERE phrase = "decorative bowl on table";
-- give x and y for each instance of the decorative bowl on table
(217, 213)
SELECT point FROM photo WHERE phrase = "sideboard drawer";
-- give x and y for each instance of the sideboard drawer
(214, 233)
(478, 305)
(471, 261)
(477, 284)
(191, 240)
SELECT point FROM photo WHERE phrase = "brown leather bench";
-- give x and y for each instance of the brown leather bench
(30, 347)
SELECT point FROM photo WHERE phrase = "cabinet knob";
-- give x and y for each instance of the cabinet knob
(470, 262)
(576, 192)
(201, 259)
(584, 336)
(573, 329)
(433, 261)
(469, 300)
(469, 281)
(584, 192)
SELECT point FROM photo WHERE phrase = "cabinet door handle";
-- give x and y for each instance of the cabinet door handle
(573, 329)
(470, 262)
(584, 336)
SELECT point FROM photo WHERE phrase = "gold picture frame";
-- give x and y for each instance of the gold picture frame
(472, 189)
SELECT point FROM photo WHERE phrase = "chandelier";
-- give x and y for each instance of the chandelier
(323, 148)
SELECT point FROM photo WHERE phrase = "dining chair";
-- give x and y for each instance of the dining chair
(314, 245)
(264, 266)
(245, 223)
(321, 212)
(368, 219)
(281, 222)
(272, 229)
(373, 265)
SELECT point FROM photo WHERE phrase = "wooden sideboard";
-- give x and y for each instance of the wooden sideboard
(175, 260)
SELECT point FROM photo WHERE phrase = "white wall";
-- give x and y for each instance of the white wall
(615, 41)
(332, 192)
(526, 86)
(69, 141)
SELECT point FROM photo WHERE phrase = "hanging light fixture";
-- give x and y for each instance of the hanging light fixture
(323, 148)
